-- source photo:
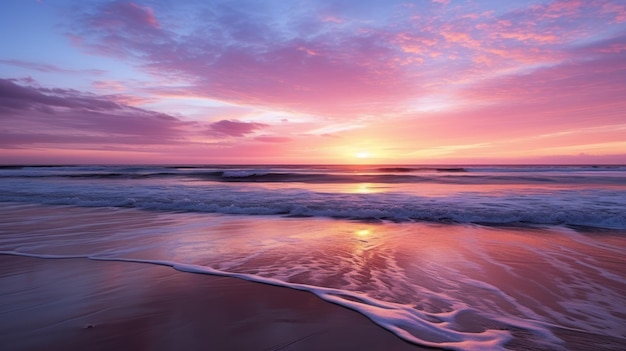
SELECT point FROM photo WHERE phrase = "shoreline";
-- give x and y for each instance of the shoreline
(60, 304)
(121, 278)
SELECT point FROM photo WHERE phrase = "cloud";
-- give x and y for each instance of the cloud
(424, 75)
(32, 114)
(272, 139)
(235, 128)
(108, 85)
(126, 15)
(14, 95)
(593, 76)
(120, 29)
(375, 58)
(48, 68)
(232, 53)
(618, 11)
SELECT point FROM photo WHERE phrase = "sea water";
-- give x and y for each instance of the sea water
(478, 257)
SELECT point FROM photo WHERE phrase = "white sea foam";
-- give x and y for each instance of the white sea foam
(404, 321)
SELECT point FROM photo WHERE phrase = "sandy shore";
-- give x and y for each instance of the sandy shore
(573, 282)
(80, 304)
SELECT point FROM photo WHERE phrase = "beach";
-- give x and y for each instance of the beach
(313, 257)
(80, 289)
(80, 304)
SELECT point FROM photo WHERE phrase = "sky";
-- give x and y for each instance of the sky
(317, 82)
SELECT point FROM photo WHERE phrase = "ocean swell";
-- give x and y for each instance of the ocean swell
(585, 207)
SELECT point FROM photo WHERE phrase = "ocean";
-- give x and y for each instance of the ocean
(454, 257)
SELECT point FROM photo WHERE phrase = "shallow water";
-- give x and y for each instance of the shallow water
(528, 195)
(462, 257)
(459, 286)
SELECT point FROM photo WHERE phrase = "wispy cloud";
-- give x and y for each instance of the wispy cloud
(273, 139)
(48, 68)
(337, 67)
(433, 75)
(236, 128)
(33, 114)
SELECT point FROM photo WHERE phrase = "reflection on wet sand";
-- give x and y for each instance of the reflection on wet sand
(541, 281)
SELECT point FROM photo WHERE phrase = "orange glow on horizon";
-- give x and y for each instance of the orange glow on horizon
(419, 84)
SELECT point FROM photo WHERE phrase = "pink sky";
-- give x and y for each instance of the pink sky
(393, 82)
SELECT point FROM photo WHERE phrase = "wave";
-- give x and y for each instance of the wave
(539, 195)
(420, 169)
(585, 207)
(338, 174)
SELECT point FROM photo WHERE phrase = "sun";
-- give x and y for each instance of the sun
(362, 154)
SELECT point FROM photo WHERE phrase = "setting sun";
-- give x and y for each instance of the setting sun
(287, 96)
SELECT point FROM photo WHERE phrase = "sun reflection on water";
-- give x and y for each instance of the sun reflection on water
(363, 233)
(365, 188)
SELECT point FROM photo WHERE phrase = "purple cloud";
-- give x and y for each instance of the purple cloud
(272, 139)
(232, 53)
(128, 16)
(12, 94)
(48, 68)
(594, 74)
(66, 116)
(342, 60)
(235, 128)
(122, 29)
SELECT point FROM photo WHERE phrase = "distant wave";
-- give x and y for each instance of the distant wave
(422, 169)
(337, 174)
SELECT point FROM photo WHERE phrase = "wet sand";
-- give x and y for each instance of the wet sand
(80, 304)
(572, 280)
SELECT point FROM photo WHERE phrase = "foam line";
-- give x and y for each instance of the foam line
(404, 321)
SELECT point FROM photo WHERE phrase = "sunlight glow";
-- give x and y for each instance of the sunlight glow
(363, 233)
(472, 89)
(363, 188)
